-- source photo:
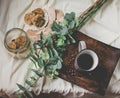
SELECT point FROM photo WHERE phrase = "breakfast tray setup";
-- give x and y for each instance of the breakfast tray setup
(98, 79)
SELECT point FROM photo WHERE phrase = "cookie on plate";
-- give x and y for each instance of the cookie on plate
(28, 18)
(35, 18)
(38, 21)
(39, 12)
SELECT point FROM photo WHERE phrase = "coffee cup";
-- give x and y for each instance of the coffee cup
(86, 59)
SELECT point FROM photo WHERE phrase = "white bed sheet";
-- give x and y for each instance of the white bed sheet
(104, 26)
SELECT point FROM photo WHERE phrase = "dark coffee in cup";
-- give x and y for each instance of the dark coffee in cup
(85, 61)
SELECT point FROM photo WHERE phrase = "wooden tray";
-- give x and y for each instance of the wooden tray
(98, 79)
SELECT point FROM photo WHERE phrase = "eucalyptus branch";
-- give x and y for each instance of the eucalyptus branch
(86, 15)
(49, 49)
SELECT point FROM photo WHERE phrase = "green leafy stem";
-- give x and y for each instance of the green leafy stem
(48, 51)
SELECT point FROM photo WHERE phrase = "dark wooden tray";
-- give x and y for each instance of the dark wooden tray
(98, 79)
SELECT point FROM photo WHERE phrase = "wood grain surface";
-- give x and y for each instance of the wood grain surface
(98, 79)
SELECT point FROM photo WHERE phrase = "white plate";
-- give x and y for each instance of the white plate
(38, 28)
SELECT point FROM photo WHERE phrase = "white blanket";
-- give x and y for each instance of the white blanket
(104, 26)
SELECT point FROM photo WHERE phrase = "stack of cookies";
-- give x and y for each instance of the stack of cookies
(17, 43)
(36, 18)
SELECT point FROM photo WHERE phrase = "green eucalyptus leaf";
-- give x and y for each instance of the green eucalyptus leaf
(30, 94)
(56, 65)
(52, 61)
(53, 74)
(49, 42)
(60, 42)
(33, 79)
(50, 53)
(69, 16)
(28, 82)
(64, 23)
(37, 44)
(56, 55)
(40, 62)
(43, 39)
(37, 72)
(64, 31)
(56, 27)
(72, 24)
(34, 58)
(56, 73)
(55, 52)
(59, 65)
(45, 54)
(21, 87)
(34, 62)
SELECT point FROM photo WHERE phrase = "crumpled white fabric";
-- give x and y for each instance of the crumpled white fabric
(104, 26)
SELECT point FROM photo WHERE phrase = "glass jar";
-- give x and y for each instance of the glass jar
(17, 43)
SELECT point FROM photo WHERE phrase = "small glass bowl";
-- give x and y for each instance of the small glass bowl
(17, 43)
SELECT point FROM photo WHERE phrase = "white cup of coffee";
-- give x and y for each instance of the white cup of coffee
(86, 60)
